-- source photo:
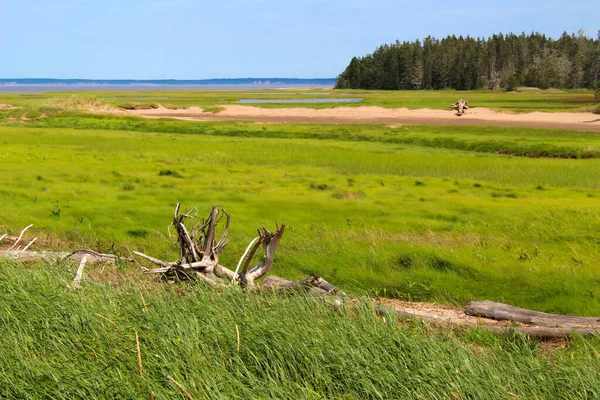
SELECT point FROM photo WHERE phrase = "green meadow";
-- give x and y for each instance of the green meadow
(382, 217)
(423, 213)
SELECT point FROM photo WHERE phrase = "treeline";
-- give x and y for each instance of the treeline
(466, 63)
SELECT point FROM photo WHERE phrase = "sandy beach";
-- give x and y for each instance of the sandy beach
(377, 115)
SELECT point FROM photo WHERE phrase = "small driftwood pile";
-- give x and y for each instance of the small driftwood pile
(199, 252)
(460, 106)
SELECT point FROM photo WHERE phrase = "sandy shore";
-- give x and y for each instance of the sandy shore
(379, 115)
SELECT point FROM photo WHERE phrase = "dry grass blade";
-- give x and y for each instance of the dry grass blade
(139, 353)
(111, 322)
(144, 303)
(180, 386)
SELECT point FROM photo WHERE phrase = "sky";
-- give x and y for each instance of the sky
(194, 39)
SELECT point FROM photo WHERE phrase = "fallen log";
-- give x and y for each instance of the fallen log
(505, 312)
(16, 255)
(313, 285)
(57, 256)
(543, 333)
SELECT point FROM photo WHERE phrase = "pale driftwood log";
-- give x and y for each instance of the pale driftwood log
(314, 285)
(539, 332)
(505, 312)
(199, 253)
(57, 256)
(460, 106)
(50, 256)
(277, 284)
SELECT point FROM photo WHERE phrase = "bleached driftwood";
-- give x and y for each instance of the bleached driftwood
(538, 332)
(57, 256)
(505, 312)
(199, 252)
(460, 106)
(314, 285)
(76, 284)
(538, 325)
(16, 255)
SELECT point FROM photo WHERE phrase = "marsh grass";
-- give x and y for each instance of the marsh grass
(527, 142)
(62, 344)
(112, 191)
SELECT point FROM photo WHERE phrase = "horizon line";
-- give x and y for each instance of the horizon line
(259, 79)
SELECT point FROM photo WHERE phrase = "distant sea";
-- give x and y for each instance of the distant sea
(83, 85)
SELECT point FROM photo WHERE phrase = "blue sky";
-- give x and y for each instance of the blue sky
(193, 39)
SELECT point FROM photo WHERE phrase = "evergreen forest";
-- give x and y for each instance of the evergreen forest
(466, 63)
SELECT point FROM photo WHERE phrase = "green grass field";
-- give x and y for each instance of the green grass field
(415, 222)
(444, 214)
(549, 143)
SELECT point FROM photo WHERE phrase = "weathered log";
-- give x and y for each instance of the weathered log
(16, 255)
(57, 256)
(314, 285)
(326, 286)
(277, 284)
(505, 312)
(531, 331)
(103, 257)
(460, 106)
(49, 256)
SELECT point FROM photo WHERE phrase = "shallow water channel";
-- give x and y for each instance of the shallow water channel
(256, 101)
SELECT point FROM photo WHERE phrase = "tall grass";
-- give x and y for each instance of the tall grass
(62, 344)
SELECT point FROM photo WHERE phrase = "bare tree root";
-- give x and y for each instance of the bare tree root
(200, 247)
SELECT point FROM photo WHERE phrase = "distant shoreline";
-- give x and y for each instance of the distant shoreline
(18, 86)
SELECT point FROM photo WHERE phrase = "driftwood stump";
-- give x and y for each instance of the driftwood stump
(460, 106)
(199, 252)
